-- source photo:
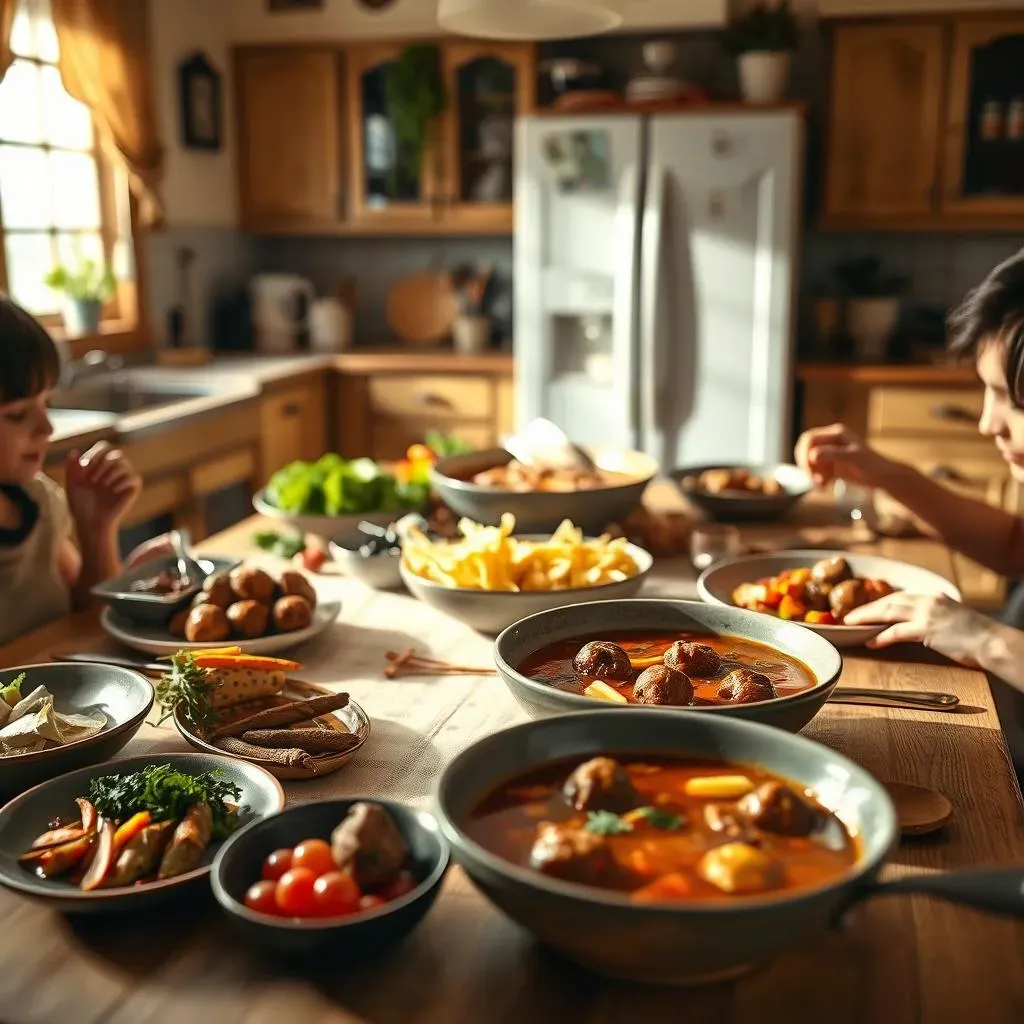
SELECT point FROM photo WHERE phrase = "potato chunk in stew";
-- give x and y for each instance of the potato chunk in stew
(740, 868)
(600, 784)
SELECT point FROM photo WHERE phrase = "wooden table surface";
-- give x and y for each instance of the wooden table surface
(903, 960)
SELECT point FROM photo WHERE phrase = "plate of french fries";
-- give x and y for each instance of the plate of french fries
(490, 578)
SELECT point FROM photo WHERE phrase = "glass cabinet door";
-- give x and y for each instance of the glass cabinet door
(985, 157)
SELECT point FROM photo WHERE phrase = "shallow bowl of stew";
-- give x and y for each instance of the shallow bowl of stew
(649, 891)
(536, 658)
(619, 484)
(719, 585)
(743, 492)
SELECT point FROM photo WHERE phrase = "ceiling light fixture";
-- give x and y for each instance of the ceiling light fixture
(527, 19)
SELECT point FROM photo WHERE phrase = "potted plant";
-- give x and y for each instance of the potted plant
(872, 297)
(763, 39)
(85, 286)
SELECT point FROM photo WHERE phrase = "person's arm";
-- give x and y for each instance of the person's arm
(1001, 653)
(100, 560)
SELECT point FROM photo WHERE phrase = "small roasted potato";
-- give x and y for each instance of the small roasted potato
(206, 623)
(846, 596)
(815, 595)
(831, 570)
(294, 583)
(216, 590)
(291, 613)
(698, 660)
(249, 619)
(176, 627)
(251, 584)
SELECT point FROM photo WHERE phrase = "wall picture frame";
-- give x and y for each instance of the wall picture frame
(201, 102)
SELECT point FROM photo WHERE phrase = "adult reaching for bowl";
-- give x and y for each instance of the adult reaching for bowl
(988, 327)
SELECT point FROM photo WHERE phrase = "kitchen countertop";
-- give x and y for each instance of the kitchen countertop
(886, 373)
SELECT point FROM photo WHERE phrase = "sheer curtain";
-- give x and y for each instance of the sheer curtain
(104, 48)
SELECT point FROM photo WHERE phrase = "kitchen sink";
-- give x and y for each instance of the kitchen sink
(123, 397)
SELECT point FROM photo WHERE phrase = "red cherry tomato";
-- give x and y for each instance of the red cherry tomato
(370, 902)
(262, 897)
(314, 854)
(402, 883)
(335, 894)
(276, 864)
(311, 559)
(294, 894)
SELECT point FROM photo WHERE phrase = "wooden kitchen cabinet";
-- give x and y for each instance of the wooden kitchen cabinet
(290, 139)
(885, 121)
(293, 425)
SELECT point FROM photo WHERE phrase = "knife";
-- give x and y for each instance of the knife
(921, 699)
(140, 664)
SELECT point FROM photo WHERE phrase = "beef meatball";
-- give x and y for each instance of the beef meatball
(729, 820)
(831, 570)
(206, 623)
(291, 613)
(603, 660)
(572, 854)
(251, 584)
(694, 659)
(600, 784)
(216, 590)
(745, 686)
(249, 619)
(846, 596)
(660, 684)
(176, 627)
(776, 807)
(294, 583)
(368, 843)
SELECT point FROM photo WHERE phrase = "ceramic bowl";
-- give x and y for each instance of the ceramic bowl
(491, 611)
(124, 696)
(378, 571)
(538, 511)
(27, 817)
(673, 943)
(237, 866)
(736, 505)
(791, 713)
(716, 584)
(322, 526)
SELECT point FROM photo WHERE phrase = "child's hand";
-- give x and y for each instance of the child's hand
(101, 486)
(148, 550)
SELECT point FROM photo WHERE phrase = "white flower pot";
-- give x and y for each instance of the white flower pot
(764, 76)
(870, 324)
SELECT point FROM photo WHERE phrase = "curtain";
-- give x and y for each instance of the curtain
(104, 51)
(6, 21)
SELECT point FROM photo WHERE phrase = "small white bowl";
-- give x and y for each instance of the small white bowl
(379, 571)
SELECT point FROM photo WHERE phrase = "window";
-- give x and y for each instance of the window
(61, 200)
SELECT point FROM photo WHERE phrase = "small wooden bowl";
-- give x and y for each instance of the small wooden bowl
(351, 719)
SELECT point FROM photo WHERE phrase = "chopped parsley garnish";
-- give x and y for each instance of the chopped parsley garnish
(605, 823)
(664, 820)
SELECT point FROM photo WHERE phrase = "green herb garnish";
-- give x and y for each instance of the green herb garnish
(167, 794)
(664, 820)
(11, 693)
(281, 544)
(604, 823)
(189, 684)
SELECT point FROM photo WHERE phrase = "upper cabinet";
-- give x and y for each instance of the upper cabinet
(290, 153)
(926, 125)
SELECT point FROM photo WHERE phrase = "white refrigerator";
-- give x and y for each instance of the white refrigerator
(655, 261)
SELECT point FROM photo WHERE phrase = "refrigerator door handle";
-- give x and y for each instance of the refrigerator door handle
(623, 301)
(650, 305)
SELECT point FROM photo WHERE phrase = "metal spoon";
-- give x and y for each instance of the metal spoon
(894, 698)
(188, 567)
(543, 434)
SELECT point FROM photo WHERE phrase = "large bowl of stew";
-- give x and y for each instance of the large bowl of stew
(484, 485)
(679, 655)
(660, 848)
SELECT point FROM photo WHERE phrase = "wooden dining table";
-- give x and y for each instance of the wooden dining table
(896, 960)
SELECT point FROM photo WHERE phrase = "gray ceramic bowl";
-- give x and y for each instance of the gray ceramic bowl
(734, 505)
(154, 609)
(491, 611)
(378, 571)
(25, 818)
(237, 866)
(536, 511)
(586, 620)
(323, 526)
(124, 696)
(716, 584)
(675, 943)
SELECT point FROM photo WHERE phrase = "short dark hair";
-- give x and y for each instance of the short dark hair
(994, 312)
(29, 359)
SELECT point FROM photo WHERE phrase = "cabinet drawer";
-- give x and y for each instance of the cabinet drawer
(391, 438)
(953, 412)
(432, 397)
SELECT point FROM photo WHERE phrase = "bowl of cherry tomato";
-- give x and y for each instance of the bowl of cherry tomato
(333, 876)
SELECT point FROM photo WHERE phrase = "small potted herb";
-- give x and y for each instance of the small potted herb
(872, 295)
(763, 39)
(85, 286)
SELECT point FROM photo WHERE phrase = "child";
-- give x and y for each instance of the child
(43, 575)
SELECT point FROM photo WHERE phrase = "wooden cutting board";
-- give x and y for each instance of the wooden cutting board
(422, 307)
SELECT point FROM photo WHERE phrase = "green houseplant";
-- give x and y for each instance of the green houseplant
(415, 95)
(763, 39)
(872, 298)
(86, 285)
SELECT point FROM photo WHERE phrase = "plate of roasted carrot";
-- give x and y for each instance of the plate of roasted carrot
(250, 707)
(130, 833)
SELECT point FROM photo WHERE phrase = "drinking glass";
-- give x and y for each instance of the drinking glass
(713, 542)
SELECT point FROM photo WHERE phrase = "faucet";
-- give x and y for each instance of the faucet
(94, 361)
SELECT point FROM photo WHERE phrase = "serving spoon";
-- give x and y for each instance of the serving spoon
(543, 443)
(923, 699)
(188, 567)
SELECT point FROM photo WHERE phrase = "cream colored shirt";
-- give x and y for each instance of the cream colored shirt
(32, 591)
